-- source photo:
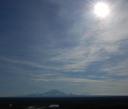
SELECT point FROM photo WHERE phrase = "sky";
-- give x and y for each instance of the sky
(61, 44)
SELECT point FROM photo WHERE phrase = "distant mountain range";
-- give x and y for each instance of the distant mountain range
(52, 93)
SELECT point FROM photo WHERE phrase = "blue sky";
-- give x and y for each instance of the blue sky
(61, 44)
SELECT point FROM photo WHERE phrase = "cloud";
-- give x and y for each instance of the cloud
(94, 41)
(103, 40)
(26, 63)
(62, 78)
(119, 69)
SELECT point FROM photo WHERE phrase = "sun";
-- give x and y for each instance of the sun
(101, 10)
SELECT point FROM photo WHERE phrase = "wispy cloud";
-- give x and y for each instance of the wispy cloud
(119, 69)
(26, 63)
(103, 41)
(62, 78)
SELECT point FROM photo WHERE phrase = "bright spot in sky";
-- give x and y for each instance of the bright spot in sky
(101, 10)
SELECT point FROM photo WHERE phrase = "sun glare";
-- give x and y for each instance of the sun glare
(101, 10)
